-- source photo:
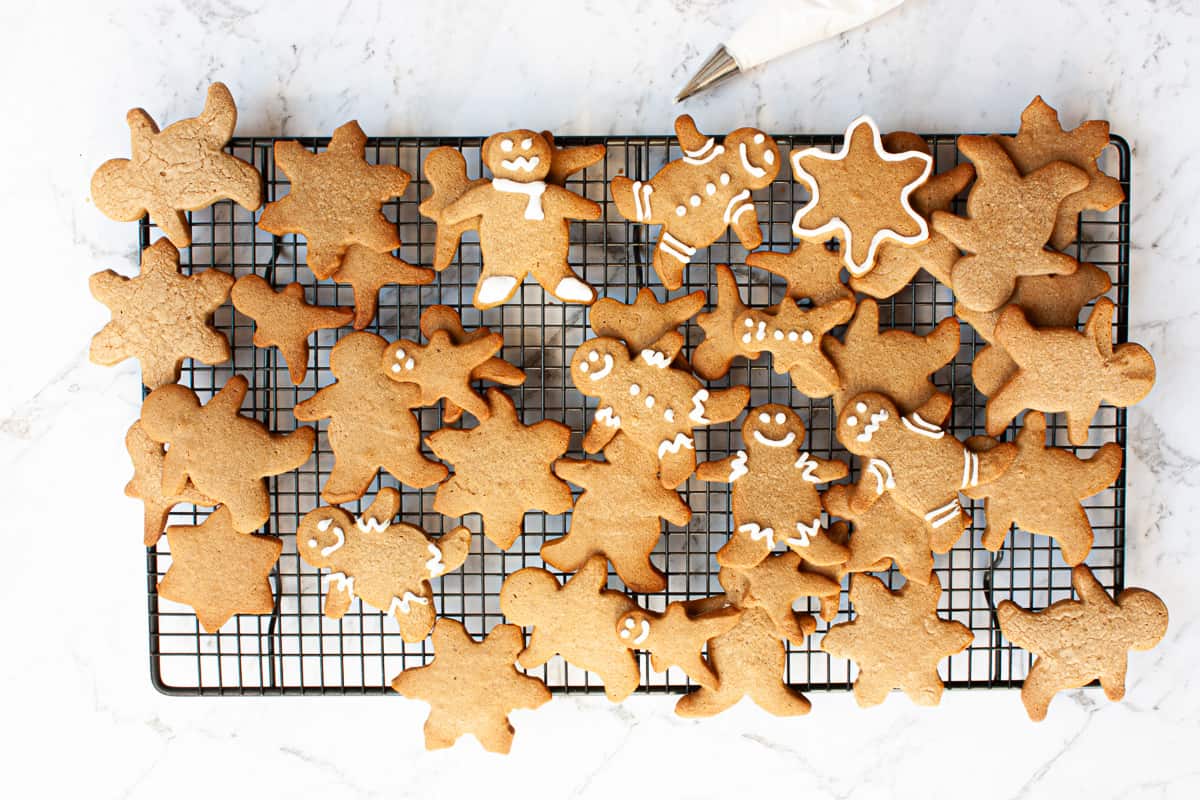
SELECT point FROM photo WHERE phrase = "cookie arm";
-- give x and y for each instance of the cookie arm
(829, 469)
(745, 225)
(598, 436)
(470, 205)
(574, 470)
(1099, 327)
(565, 203)
(174, 471)
(320, 406)
(721, 471)
(690, 137)
(1089, 589)
(539, 650)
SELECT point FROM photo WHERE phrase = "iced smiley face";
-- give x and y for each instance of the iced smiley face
(773, 426)
(864, 420)
(594, 361)
(634, 628)
(322, 533)
(757, 154)
(522, 156)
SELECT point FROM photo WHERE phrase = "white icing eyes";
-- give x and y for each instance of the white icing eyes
(764, 418)
(724, 178)
(710, 188)
(769, 157)
(593, 356)
(312, 542)
(680, 210)
(526, 144)
(634, 389)
(399, 355)
(852, 421)
(695, 200)
(506, 145)
(806, 337)
(583, 367)
(861, 408)
(759, 139)
(779, 418)
(749, 322)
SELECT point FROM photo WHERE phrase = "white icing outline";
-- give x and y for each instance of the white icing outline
(737, 467)
(673, 445)
(836, 224)
(404, 603)
(532, 189)
(602, 373)
(784, 442)
(877, 467)
(696, 415)
(656, 359)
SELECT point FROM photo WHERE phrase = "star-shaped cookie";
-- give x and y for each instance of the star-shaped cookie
(497, 370)
(367, 272)
(335, 199)
(471, 686)
(181, 168)
(148, 456)
(812, 270)
(502, 468)
(160, 317)
(284, 320)
(861, 193)
(675, 638)
(443, 368)
(897, 640)
(218, 571)
(1042, 140)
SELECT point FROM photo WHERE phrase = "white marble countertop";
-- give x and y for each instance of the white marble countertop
(78, 707)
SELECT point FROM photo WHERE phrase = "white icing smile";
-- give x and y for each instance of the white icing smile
(323, 526)
(631, 626)
(784, 442)
(601, 373)
(521, 163)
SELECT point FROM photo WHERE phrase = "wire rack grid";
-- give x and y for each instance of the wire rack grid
(297, 650)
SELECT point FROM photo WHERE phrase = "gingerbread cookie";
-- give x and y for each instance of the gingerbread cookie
(896, 363)
(524, 222)
(676, 638)
(219, 571)
(774, 585)
(886, 533)
(813, 270)
(366, 272)
(922, 466)
(579, 620)
(497, 370)
(657, 405)
(896, 264)
(860, 193)
(1048, 301)
(618, 515)
(896, 639)
(838, 533)
(335, 199)
(472, 686)
(697, 197)
(284, 319)
(502, 469)
(567, 161)
(1079, 641)
(644, 321)
(227, 456)
(387, 564)
(146, 484)
(1042, 140)
(1041, 491)
(1009, 220)
(751, 661)
(1062, 369)
(371, 422)
(182, 168)
(774, 495)
(160, 317)
(445, 366)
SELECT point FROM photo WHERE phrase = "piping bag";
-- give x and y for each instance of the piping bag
(778, 27)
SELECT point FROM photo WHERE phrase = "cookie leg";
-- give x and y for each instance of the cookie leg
(1075, 536)
(743, 549)
(696, 668)
(567, 553)
(253, 509)
(174, 225)
(1039, 689)
(622, 677)
(820, 550)
(943, 536)
(337, 601)
(414, 469)
(348, 480)
(1005, 404)
(494, 290)
(635, 570)
(999, 523)
(745, 225)
(245, 186)
(706, 702)
(417, 622)
(441, 731)
(870, 690)
(780, 700)
(503, 527)
(671, 256)
(560, 280)
(495, 734)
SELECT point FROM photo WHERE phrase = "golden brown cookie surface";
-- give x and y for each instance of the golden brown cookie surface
(774, 585)
(497, 370)
(146, 484)
(811, 270)
(367, 272)
(675, 638)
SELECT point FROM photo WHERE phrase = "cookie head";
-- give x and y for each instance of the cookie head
(322, 533)
(527, 594)
(521, 156)
(862, 421)
(1133, 370)
(115, 192)
(354, 352)
(757, 153)
(594, 362)
(1146, 616)
(634, 628)
(772, 426)
(165, 409)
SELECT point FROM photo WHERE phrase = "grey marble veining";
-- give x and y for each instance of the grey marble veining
(81, 714)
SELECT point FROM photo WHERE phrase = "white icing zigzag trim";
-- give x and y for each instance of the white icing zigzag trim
(344, 584)
(807, 468)
(371, 525)
(805, 531)
(673, 446)
(877, 419)
(737, 467)
(435, 565)
(404, 604)
(696, 415)
(607, 416)
(758, 534)
(836, 223)
(656, 359)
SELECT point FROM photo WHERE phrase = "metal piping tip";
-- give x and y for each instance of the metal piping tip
(719, 68)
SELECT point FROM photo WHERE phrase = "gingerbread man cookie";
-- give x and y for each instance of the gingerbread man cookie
(182, 168)
(676, 638)
(1062, 369)
(860, 193)
(502, 469)
(335, 199)
(1009, 220)
(284, 319)
(472, 686)
(774, 495)
(922, 466)
(160, 317)
(644, 321)
(445, 367)
(366, 272)
(497, 370)
(897, 640)
(657, 405)
(1042, 140)
(371, 422)
(579, 620)
(387, 564)
(1041, 491)
(227, 456)
(812, 270)
(774, 585)
(1079, 641)
(697, 197)
(146, 484)
(618, 515)
(524, 221)
(886, 533)
(220, 571)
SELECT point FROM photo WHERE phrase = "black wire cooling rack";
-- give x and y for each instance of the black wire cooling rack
(296, 650)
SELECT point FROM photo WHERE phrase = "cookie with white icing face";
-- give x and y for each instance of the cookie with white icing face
(774, 494)
(387, 564)
(523, 220)
(697, 197)
(676, 638)
(657, 405)
(921, 466)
